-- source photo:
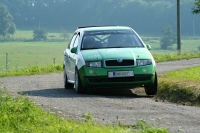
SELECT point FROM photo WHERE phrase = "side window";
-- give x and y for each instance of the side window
(76, 41)
(70, 46)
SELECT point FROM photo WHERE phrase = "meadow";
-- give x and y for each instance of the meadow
(26, 54)
(23, 53)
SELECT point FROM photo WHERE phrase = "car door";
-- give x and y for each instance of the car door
(73, 57)
(68, 60)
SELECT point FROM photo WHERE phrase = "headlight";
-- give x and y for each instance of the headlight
(144, 62)
(93, 64)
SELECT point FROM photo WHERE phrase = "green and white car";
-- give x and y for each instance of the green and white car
(108, 56)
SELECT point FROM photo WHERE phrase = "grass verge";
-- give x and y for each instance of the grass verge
(181, 86)
(21, 115)
(33, 70)
(160, 57)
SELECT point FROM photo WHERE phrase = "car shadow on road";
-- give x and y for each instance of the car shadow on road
(69, 93)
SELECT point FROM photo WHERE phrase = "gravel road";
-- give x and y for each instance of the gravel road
(108, 104)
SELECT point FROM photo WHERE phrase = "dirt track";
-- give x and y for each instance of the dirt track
(106, 105)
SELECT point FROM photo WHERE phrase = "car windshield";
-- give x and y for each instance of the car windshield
(110, 39)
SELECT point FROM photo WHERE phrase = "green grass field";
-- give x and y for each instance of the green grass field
(24, 54)
(187, 46)
(28, 34)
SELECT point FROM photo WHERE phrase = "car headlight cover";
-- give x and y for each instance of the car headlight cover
(93, 63)
(144, 62)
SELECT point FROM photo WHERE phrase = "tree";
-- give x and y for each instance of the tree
(168, 39)
(39, 35)
(7, 25)
(196, 9)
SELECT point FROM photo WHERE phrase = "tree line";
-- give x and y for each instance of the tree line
(145, 16)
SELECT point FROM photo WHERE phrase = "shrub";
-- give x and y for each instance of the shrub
(168, 39)
(39, 35)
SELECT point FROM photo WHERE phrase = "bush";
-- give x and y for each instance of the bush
(39, 35)
(168, 39)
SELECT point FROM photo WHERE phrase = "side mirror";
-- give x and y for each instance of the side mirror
(73, 50)
(148, 46)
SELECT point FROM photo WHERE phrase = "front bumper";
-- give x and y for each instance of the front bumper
(98, 77)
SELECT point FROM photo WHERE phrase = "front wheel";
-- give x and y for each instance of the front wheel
(78, 85)
(152, 89)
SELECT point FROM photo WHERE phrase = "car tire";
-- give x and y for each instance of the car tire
(66, 84)
(78, 84)
(152, 89)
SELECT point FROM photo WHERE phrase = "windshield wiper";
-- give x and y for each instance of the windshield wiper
(115, 47)
(88, 48)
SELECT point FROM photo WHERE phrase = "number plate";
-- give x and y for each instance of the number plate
(120, 74)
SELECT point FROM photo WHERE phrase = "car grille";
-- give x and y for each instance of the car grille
(124, 62)
(120, 79)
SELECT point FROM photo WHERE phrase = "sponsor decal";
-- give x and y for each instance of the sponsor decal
(91, 71)
(144, 70)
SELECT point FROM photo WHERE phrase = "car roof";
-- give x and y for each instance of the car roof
(96, 28)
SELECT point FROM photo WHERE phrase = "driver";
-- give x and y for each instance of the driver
(89, 42)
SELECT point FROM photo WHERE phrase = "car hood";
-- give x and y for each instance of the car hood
(115, 53)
